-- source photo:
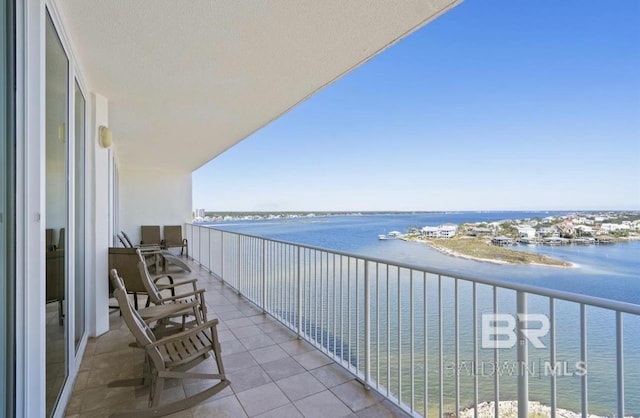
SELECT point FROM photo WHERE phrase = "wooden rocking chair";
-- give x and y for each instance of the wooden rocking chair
(157, 299)
(170, 357)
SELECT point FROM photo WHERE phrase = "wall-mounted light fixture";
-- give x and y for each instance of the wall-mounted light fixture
(62, 134)
(104, 137)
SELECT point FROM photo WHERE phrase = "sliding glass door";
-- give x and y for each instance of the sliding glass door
(57, 208)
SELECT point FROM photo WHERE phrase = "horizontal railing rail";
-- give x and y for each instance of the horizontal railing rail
(432, 341)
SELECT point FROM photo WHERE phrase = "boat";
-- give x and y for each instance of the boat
(382, 236)
(529, 241)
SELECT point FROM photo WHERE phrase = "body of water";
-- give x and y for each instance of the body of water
(605, 271)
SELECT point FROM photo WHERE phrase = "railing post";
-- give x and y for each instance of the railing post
(367, 327)
(299, 307)
(239, 257)
(523, 358)
(209, 236)
(222, 256)
(264, 276)
(620, 363)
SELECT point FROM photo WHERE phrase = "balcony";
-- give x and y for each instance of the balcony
(434, 343)
(310, 332)
(272, 372)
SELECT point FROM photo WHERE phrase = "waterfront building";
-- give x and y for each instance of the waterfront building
(548, 231)
(479, 231)
(440, 231)
(526, 231)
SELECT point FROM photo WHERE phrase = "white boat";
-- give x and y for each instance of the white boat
(382, 236)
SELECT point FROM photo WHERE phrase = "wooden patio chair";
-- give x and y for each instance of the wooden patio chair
(173, 238)
(155, 296)
(170, 357)
(125, 260)
(158, 255)
(150, 235)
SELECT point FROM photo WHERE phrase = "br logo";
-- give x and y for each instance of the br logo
(499, 330)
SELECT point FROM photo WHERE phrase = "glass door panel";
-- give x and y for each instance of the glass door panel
(57, 97)
(7, 210)
(80, 215)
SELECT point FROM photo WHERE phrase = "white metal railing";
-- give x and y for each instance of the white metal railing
(413, 334)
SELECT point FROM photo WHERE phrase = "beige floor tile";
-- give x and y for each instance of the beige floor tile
(257, 341)
(246, 379)
(300, 386)
(295, 347)
(355, 396)
(312, 360)
(232, 347)
(287, 411)
(238, 323)
(322, 405)
(380, 410)
(268, 354)
(247, 331)
(227, 407)
(262, 399)
(282, 368)
(238, 361)
(332, 375)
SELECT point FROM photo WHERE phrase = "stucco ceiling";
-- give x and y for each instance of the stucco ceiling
(187, 79)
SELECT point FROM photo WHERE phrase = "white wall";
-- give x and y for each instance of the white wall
(155, 197)
(98, 221)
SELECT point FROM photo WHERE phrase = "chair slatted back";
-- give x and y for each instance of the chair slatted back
(138, 327)
(150, 234)
(141, 331)
(173, 236)
(125, 261)
(147, 281)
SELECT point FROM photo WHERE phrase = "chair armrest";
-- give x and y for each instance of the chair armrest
(212, 324)
(162, 276)
(166, 311)
(199, 292)
(173, 285)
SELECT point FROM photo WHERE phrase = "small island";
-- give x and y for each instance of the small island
(482, 250)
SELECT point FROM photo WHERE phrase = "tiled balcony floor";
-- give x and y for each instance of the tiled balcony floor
(272, 373)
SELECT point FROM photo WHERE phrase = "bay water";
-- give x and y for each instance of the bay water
(604, 271)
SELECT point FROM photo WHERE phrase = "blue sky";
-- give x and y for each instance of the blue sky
(496, 105)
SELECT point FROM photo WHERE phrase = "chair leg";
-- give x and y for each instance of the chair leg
(156, 392)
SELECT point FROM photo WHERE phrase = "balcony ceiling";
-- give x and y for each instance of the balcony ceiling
(187, 79)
